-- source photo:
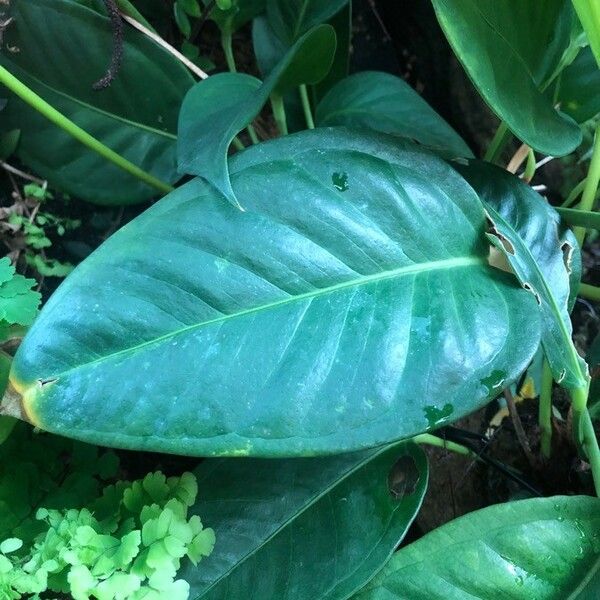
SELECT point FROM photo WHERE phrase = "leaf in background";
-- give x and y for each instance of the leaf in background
(593, 359)
(588, 12)
(579, 87)
(240, 13)
(335, 515)
(207, 128)
(386, 103)
(7, 424)
(350, 305)
(136, 116)
(291, 19)
(510, 49)
(18, 302)
(543, 548)
(527, 231)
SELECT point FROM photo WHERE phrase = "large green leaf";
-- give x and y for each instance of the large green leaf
(579, 91)
(527, 231)
(588, 12)
(544, 548)
(64, 48)
(350, 305)
(206, 128)
(386, 103)
(304, 529)
(510, 49)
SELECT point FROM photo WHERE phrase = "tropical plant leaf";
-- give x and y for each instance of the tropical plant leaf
(343, 515)
(136, 116)
(291, 19)
(18, 302)
(510, 49)
(593, 359)
(386, 103)
(206, 129)
(528, 233)
(240, 13)
(350, 305)
(579, 87)
(588, 12)
(543, 548)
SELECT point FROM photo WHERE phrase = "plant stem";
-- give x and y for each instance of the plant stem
(306, 107)
(573, 194)
(279, 113)
(591, 185)
(590, 292)
(545, 410)
(499, 141)
(39, 104)
(583, 218)
(529, 167)
(590, 445)
(433, 440)
(228, 50)
(238, 143)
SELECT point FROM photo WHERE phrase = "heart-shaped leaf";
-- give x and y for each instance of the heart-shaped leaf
(206, 129)
(544, 548)
(510, 49)
(579, 87)
(63, 48)
(342, 516)
(386, 103)
(350, 305)
(527, 231)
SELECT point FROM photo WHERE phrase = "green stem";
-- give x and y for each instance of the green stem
(574, 194)
(252, 134)
(226, 43)
(238, 143)
(590, 292)
(498, 143)
(583, 218)
(82, 136)
(279, 113)
(433, 440)
(529, 167)
(306, 107)
(545, 411)
(591, 185)
(592, 451)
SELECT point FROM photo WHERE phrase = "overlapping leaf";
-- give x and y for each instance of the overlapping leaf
(350, 305)
(386, 103)
(342, 516)
(544, 548)
(579, 87)
(510, 49)
(60, 48)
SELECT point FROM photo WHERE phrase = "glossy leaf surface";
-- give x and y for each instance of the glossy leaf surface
(544, 548)
(386, 103)
(527, 231)
(510, 48)
(136, 116)
(579, 92)
(206, 128)
(350, 305)
(343, 516)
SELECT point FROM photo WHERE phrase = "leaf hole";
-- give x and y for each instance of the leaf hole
(44, 382)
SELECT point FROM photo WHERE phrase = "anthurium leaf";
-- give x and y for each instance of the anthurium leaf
(343, 516)
(350, 305)
(206, 129)
(290, 19)
(510, 48)
(136, 115)
(579, 87)
(588, 12)
(386, 103)
(543, 548)
(527, 231)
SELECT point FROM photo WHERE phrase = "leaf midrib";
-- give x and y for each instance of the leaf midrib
(449, 263)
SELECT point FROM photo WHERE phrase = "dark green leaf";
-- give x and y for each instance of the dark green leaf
(136, 116)
(240, 13)
(588, 12)
(290, 19)
(579, 91)
(215, 110)
(304, 529)
(510, 49)
(350, 305)
(182, 20)
(386, 103)
(544, 548)
(527, 231)
(593, 359)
